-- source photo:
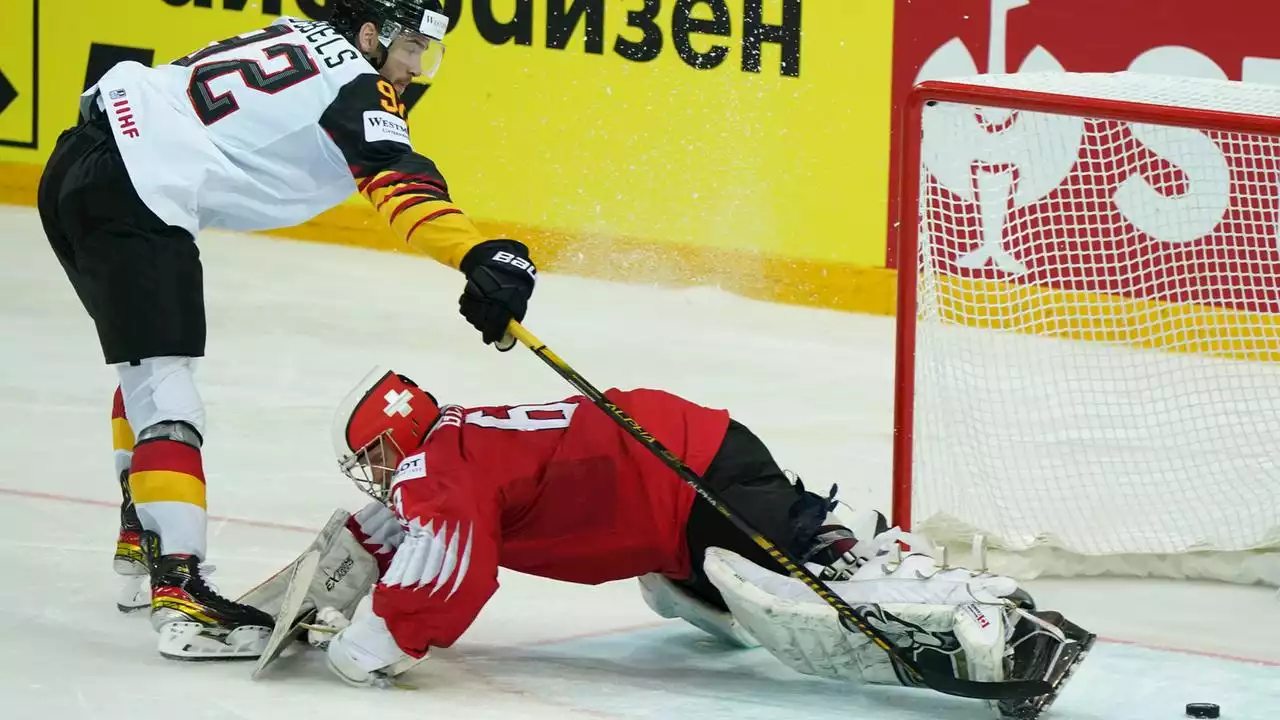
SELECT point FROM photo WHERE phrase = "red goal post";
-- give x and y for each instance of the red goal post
(1088, 330)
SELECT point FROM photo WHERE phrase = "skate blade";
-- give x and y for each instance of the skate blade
(189, 641)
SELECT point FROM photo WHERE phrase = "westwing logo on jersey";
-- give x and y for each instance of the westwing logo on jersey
(430, 558)
(381, 125)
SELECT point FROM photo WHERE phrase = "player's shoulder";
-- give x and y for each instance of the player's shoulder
(370, 92)
(451, 417)
(438, 459)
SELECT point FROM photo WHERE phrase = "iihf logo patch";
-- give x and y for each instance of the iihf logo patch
(116, 94)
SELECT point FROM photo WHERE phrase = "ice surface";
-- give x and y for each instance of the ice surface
(292, 326)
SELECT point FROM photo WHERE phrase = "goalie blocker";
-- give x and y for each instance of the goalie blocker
(567, 495)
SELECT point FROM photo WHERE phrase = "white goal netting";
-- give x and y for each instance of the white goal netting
(1097, 330)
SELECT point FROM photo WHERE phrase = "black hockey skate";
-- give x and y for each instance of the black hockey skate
(194, 621)
(1046, 646)
(129, 561)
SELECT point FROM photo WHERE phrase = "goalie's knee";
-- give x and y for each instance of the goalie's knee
(670, 600)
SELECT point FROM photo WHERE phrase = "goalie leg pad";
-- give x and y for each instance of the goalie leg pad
(806, 637)
(804, 632)
(346, 573)
(669, 600)
(288, 619)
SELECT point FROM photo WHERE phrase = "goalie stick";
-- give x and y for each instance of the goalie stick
(288, 622)
(851, 619)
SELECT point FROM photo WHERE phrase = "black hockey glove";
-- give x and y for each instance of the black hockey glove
(500, 279)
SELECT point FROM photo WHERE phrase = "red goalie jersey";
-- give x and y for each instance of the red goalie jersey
(556, 490)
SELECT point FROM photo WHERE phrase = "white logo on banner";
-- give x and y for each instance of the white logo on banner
(1003, 161)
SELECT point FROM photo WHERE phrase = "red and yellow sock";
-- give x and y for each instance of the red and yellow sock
(121, 434)
(167, 482)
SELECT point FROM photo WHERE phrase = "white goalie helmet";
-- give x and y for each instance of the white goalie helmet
(380, 421)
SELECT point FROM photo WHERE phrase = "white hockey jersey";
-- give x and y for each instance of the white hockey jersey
(270, 128)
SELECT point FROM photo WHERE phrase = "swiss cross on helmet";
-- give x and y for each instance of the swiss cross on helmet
(384, 418)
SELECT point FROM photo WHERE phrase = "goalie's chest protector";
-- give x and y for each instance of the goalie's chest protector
(229, 136)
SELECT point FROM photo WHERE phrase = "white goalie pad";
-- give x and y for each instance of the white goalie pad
(346, 573)
(288, 620)
(668, 600)
(950, 617)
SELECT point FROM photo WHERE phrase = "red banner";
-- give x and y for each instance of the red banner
(934, 40)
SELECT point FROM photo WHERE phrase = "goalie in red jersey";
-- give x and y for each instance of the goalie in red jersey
(560, 491)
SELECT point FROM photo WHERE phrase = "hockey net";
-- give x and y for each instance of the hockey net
(1089, 324)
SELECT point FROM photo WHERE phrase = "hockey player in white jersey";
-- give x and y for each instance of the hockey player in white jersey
(263, 130)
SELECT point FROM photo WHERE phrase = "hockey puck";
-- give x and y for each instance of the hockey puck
(1202, 710)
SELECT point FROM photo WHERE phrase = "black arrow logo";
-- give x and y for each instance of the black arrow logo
(413, 94)
(7, 92)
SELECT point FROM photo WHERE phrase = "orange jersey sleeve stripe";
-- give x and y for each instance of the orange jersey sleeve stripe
(389, 178)
(430, 225)
(433, 216)
(403, 192)
(166, 486)
(389, 186)
(168, 455)
(392, 205)
(444, 232)
(405, 204)
(422, 187)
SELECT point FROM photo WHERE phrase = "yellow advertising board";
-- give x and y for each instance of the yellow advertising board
(18, 75)
(743, 142)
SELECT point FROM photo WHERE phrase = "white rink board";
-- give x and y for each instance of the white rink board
(286, 343)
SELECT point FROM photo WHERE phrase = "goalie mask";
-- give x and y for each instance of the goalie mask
(410, 30)
(384, 418)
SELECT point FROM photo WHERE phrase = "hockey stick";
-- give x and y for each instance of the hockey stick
(852, 620)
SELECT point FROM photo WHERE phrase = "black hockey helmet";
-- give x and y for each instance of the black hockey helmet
(348, 16)
(424, 19)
